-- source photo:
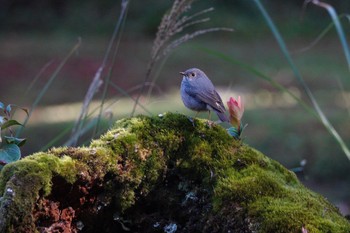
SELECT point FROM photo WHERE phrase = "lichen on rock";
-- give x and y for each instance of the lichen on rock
(149, 173)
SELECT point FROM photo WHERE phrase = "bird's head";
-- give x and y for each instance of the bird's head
(193, 73)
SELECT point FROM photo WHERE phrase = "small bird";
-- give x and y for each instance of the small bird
(198, 93)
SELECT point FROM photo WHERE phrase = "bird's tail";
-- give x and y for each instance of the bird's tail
(222, 116)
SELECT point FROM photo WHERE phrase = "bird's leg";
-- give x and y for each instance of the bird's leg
(196, 114)
(191, 119)
(209, 122)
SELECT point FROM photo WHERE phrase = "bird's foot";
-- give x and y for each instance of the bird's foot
(210, 123)
(191, 119)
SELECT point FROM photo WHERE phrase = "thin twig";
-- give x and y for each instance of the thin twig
(97, 81)
(110, 71)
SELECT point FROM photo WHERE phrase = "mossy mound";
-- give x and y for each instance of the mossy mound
(160, 174)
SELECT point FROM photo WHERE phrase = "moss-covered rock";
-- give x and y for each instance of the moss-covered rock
(160, 174)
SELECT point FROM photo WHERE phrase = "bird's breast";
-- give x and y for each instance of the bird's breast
(189, 99)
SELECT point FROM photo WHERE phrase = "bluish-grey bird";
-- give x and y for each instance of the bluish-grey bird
(198, 93)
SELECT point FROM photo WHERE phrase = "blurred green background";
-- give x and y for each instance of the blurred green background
(39, 33)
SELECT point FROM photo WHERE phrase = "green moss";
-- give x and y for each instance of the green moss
(40, 167)
(288, 214)
(243, 175)
(273, 196)
(21, 182)
(135, 156)
(63, 166)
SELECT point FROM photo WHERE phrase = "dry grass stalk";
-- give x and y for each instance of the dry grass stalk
(172, 24)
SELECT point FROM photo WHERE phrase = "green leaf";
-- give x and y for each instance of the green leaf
(9, 124)
(234, 132)
(13, 140)
(322, 34)
(10, 153)
(341, 34)
(21, 141)
(299, 77)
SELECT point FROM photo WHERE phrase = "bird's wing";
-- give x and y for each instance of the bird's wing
(204, 90)
(211, 98)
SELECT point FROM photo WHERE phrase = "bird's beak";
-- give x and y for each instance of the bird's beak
(183, 73)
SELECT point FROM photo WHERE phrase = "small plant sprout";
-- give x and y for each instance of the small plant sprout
(9, 144)
(236, 110)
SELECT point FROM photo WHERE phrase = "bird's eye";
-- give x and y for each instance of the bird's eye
(193, 74)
